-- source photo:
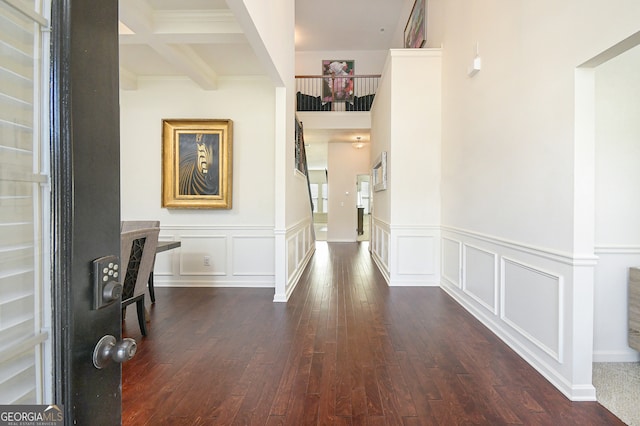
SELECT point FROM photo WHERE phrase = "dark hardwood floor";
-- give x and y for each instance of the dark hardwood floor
(345, 350)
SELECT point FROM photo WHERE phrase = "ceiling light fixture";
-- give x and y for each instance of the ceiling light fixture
(358, 145)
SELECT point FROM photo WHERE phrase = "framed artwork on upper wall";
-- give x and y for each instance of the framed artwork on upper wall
(415, 32)
(337, 81)
(197, 163)
(379, 172)
(300, 154)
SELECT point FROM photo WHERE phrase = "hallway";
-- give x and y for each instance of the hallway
(345, 349)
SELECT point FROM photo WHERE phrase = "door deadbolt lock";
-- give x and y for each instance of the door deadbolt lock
(108, 349)
(106, 281)
(112, 291)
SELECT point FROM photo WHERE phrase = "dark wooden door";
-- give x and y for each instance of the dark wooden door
(85, 203)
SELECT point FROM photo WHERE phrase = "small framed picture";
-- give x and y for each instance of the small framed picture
(415, 32)
(379, 172)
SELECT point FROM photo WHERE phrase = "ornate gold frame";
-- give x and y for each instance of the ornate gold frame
(197, 163)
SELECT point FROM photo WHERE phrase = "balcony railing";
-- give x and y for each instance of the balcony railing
(335, 93)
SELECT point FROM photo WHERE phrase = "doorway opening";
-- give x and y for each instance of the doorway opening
(607, 93)
(320, 198)
(364, 207)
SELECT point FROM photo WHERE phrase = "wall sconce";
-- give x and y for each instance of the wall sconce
(476, 64)
(358, 145)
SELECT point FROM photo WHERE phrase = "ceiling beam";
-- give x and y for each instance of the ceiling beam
(195, 22)
(132, 39)
(137, 15)
(170, 34)
(189, 63)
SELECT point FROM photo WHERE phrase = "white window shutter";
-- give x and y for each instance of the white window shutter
(21, 211)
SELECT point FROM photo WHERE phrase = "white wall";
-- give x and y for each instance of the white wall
(617, 213)
(513, 217)
(381, 133)
(366, 62)
(345, 163)
(406, 120)
(269, 27)
(518, 112)
(414, 159)
(234, 239)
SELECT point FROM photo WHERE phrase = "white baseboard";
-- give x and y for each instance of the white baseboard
(616, 356)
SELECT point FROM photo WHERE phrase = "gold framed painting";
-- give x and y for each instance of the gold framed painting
(197, 163)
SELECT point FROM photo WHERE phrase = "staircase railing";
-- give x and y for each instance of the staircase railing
(336, 92)
(301, 163)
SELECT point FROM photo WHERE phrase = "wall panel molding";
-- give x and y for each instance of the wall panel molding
(232, 252)
(263, 265)
(196, 247)
(166, 262)
(300, 246)
(452, 261)
(532, 314)
(414, 256)
(480, 276)
(171, 229)
(379, 245)
(536, 292)
(409, 258)
(611, 304)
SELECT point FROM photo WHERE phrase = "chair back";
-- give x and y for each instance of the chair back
(137, 251)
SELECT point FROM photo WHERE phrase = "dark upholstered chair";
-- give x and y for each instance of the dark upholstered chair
(137, 251)
(130, 225)
(360, 103)
(311, 103)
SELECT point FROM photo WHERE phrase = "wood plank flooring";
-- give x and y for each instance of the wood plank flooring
(345, 350)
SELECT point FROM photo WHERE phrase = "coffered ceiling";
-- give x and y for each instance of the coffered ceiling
(199, 39)
(202, 40)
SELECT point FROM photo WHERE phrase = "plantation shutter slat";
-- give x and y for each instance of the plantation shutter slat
(21, 334)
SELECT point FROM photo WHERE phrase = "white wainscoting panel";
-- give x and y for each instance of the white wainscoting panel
(292, 255)
(166, 262)
(480, 278)
(532, 303)
(542, 302)
(415, 255)
(239, 256)
(253, 255)
(451, 261)
(300, 247)
(379, 245)
(194, 250)
(302, 244)
(406, 255)
(610, 326)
